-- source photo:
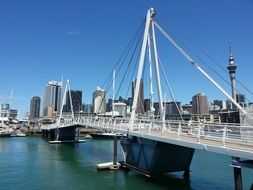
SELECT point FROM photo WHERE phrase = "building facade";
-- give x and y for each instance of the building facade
(52, 98)
(172, 108)
(76, 97)
(99, 101)
(200, 104)
(35, 107)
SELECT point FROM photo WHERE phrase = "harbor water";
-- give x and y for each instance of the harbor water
(31, 163)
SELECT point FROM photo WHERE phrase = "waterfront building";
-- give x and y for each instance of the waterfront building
(5, 110)
(147, 105)
(140, 100)
(187, 108)
(52, 98)
(109, 105)
(120, 108)
(87, 108)
(130, 102)
(172, 109)
(230, 105)
(13, 114)
(99, 101)
(76, 97)
(200, 104)
(121, 99)
(35, 107)
(240, 98)
(157, 108)
(219, 104)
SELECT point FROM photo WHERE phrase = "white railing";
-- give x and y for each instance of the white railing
(224, 134)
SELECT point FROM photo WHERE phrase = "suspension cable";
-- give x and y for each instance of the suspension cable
(169, 87)
(129, 63)
(220, 66)
(226, 81)
(193, 63)
(126, 51)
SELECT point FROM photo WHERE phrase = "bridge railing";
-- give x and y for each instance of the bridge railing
(219, 134)
(222, 134)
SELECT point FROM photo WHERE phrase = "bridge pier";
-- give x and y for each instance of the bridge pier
(152, 157)
(68, 134)
(238, 164)
(111, 165)
(186, 174)
(238, 178)
(115, 160)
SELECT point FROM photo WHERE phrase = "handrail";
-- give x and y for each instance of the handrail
(220, 134)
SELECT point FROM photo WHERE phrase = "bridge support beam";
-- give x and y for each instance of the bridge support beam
(115, 161)
(186, 174)
(238, 178)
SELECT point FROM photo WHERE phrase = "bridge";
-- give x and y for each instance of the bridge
(224, 138)
(156, 145)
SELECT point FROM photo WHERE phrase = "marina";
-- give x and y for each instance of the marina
(31, 163)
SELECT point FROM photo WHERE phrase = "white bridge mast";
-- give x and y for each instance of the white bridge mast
(148, 33)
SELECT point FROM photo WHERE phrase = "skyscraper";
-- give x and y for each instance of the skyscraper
(76, 96)
(35, 107)
(140, 100)
(232, 68)
(172, 108)
(99, 101)
(200, 104)
(240, 98)
(52, 98)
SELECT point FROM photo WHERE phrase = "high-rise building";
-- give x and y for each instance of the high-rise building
(52, 98)
(99, 101)
(219, 103)
(240, 98)
(109, 105)
(200, 104)
(76, 97)
(35, 107)
(13, 114)
(147, 105)
(5, 110)
(172, 108)
(87, 108)
(140, 100)
(120, 108)
(232, 68)
(187, 108)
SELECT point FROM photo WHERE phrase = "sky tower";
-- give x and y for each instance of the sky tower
(231, 68)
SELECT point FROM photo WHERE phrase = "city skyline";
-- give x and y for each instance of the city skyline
(72, 41)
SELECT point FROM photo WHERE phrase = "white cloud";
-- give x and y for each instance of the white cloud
(74, 32)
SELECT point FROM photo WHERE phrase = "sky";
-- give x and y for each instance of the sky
(82, 40)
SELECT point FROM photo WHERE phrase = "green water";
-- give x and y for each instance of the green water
(31, 163)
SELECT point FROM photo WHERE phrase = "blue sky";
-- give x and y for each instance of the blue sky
(41, 40)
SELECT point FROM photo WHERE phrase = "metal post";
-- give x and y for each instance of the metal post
(115, 151)
(78, 134)
(237, 173)
(238, 178)
(186, 174)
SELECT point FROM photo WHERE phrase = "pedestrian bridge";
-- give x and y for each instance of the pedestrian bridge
(230, 139)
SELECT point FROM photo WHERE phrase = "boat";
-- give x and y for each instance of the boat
(5, 131)
(106, 135)
(15, 134)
